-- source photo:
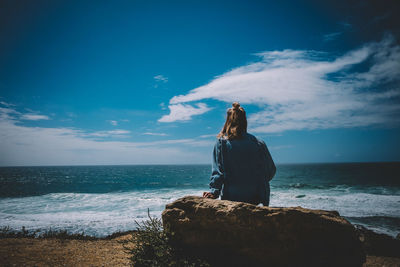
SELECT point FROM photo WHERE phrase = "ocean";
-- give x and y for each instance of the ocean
(100, 200)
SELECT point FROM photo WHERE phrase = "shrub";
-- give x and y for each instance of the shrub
(150, 246)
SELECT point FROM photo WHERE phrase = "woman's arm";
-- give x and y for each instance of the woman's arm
(217, 174)
(270, 168)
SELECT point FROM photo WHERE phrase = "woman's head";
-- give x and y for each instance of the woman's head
(236, 123)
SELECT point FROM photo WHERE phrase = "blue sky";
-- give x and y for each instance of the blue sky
(149, 82)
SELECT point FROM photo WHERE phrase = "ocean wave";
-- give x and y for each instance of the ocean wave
(382, 224)
(102, 214)
(379, 213)
(380, 190)
(95, 214)
(347, 204)
(298, 186)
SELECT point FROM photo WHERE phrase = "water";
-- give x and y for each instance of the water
(100, 200)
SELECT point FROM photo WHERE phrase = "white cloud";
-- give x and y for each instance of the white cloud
(7, 113)
(114, 123)
(308, 89)
(113, 133)
(161, 78)
(208, 135)
(346, 25)
(119, 132)
(280, 147)
(71, 115)
(6, 104)
(331, 36)
(183, 112)
(155, 134)
(34, 117)
(23, 145)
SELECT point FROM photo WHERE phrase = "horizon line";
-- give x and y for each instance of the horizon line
(194, 164)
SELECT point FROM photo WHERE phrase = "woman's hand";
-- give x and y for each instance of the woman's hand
(209, 195)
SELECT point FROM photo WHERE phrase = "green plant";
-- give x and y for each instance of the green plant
(150, 246)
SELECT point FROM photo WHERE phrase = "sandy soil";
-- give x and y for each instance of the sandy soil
(56, 252)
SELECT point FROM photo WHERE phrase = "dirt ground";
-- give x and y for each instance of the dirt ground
(373, 261)
(56, 252)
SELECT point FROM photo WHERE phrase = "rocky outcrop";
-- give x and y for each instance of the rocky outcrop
(228, 233)
(378, 244)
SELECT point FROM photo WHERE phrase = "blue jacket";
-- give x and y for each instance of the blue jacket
(241, 170)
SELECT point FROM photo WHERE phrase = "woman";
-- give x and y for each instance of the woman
(242, 165)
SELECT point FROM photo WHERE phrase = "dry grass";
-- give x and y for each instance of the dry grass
(60, 252)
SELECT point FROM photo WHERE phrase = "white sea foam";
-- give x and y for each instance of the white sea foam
(95, 214)
(347, 204)
(350, 205)
(103, 214)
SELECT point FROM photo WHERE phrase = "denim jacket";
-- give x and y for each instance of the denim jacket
(241, 170)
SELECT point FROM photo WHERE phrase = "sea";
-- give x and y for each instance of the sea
(101, 200)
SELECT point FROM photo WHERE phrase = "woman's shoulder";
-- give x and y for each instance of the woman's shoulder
(220, 140)
(254, 138)
(247, 136)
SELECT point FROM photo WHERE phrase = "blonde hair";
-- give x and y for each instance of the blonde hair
(236, 123)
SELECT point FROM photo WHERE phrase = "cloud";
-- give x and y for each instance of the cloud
(8, 113)
(381, 18)
(154, 134)
(331, 36)
(162, 105)
(6, 104)
(34, 117)
(114, 123)
(71, 114)
(208, 135)
(26, 145)
(188, 141)
(346, 25)
(280, 147)
(184, 112)
(161, 78)
(297, 89)
(113, 133)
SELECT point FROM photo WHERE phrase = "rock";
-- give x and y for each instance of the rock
(378, 244)
(228, 233)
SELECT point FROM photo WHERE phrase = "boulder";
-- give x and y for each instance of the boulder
(229, 233)
(378, 244)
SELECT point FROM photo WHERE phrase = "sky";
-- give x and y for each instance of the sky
(149, 82)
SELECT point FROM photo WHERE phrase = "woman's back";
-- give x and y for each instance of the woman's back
(247, 168)
(242, 165)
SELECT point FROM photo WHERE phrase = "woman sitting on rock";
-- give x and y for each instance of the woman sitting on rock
(242, 165)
